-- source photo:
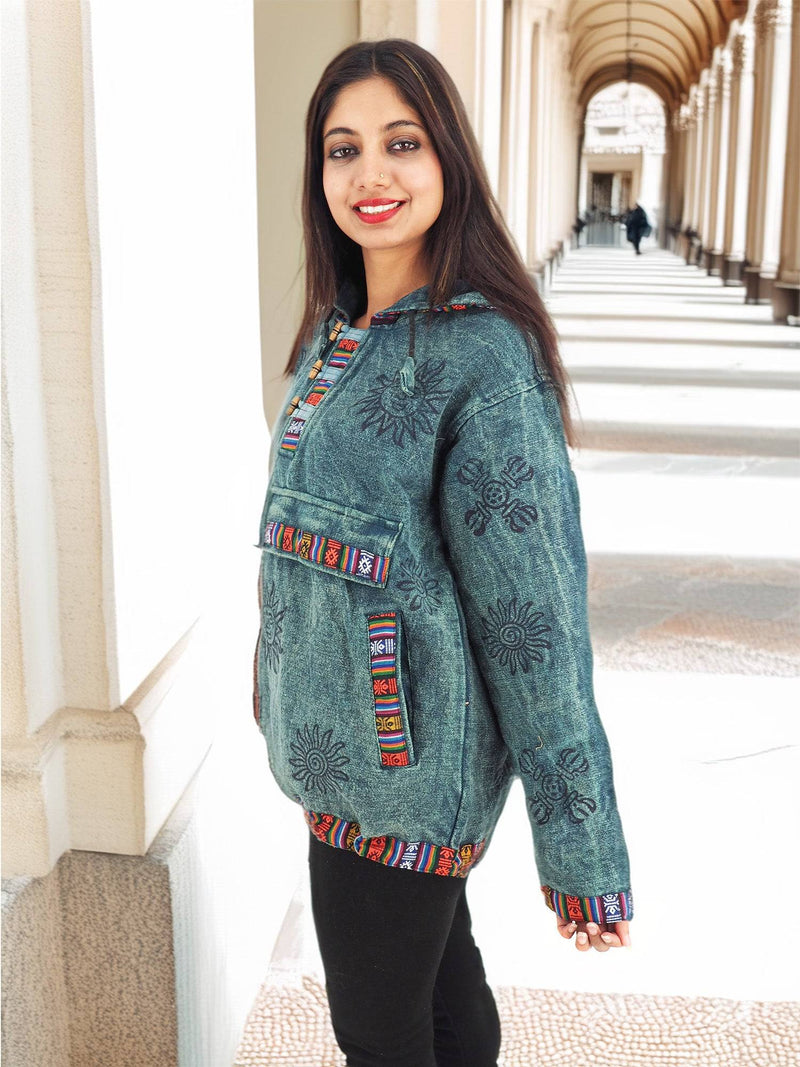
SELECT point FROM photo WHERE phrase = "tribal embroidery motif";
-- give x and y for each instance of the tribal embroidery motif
(419, 588)
(339, 359)
(512, 634)
(401, 415)
(347, 559)
(386, 697)
(256, 694)
(607, 908)
(391, 851)
(554, 789)
(495, 495)
(317, 760)
(272, 626)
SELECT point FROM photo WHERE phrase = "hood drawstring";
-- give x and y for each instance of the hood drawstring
(407, 370)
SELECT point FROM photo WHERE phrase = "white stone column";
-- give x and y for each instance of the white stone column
(689, 183)
(740, 138)
(698, 162)
(680, 141)
(786, 289)
(517, 177)
(709, 97)
(539, 143)
(719, 170)
(770, 113)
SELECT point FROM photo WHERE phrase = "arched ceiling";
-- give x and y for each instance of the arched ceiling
(663, 44)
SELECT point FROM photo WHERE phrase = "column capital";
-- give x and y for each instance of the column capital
(742, 52)
(724, 74)
(769, 15)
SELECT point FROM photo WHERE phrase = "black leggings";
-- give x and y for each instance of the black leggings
(404, 978)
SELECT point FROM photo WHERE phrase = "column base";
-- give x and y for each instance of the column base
(732, 270)
(786, 302)
(538, 275)
(758, 287)
(713, 261)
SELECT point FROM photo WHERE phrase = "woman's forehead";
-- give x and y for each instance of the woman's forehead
(373, 102)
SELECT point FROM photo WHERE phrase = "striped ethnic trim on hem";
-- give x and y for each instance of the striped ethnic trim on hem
(391, 851)
(347, 559)
(606, 908)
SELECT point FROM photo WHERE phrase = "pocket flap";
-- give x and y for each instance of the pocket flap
(328, 536)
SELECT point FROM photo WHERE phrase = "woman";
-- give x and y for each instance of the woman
(424, 636)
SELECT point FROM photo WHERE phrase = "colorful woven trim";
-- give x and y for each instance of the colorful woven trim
(607, 908)
(386, 318)
(382, 631)
(391, 851)
(346, 559)
(322, 383)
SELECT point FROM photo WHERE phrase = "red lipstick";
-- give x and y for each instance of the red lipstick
(376, 214)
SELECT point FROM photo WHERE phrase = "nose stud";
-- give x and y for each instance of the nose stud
(381, 175)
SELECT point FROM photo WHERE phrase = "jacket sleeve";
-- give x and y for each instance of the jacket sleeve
(510, 514)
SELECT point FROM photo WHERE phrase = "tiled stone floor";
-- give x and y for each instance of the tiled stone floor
(290, 1027)
(687, 471)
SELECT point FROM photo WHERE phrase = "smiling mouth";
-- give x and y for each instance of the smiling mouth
(378, 209)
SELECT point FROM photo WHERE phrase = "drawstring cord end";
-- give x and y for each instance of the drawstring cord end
(407, 370)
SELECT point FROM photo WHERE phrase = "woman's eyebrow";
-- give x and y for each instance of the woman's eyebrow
(389, 126)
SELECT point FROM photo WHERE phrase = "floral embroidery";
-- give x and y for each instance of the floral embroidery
(553, 790)
(421, 590)
(495, 494)
(512, 634)
(272, 624)
(317, 760)
(388, 408)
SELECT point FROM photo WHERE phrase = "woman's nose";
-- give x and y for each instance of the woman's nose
(371, 172)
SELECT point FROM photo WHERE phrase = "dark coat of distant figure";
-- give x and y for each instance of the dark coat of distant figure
(637, 226)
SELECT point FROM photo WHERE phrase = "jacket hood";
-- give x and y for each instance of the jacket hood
(418, 301)
(412, 304)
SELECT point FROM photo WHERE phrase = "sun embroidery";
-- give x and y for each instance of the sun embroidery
(272, 627)
(512, 634)
(419, 588)
(318, 763)
(389, 409)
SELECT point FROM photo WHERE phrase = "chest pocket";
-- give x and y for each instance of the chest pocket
(328, 536)
(348, 543)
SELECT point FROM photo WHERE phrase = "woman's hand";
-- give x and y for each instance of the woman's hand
(601, 936)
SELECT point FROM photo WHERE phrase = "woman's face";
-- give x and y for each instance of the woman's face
(381, 175)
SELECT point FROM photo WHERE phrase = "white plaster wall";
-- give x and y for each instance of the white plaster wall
(285, 80)
(175, 303)
(32, 682)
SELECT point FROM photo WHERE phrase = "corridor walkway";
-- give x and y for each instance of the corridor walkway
(687, 471)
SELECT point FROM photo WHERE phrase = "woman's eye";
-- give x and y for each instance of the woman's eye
(405, 145)
(341, 152)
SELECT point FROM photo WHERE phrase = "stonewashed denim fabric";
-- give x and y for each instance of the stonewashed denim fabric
(424, 635)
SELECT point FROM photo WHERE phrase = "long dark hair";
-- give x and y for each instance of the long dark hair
(468, 242)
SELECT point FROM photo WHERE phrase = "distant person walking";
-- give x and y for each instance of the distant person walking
(637, 226)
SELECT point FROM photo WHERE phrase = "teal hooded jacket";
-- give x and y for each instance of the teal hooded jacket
(424, 637)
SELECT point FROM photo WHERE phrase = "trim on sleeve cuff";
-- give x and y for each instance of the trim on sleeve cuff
(606, 908)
